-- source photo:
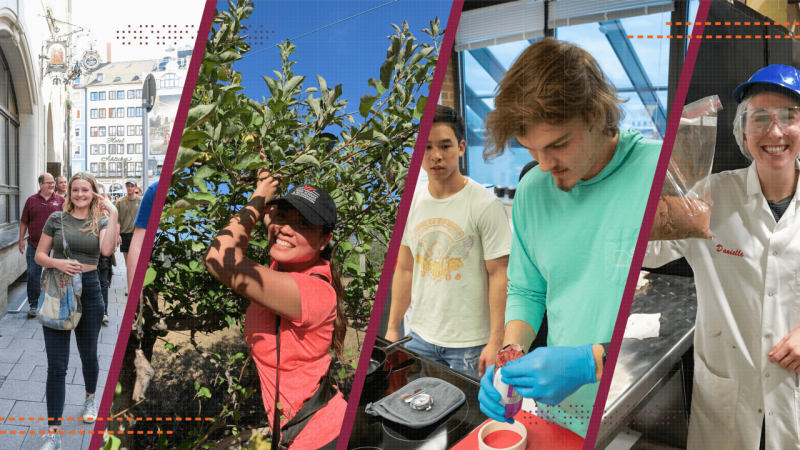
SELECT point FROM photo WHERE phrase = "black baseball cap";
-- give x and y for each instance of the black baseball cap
(316, 205)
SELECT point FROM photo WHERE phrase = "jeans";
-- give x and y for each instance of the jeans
(464, 360)
(34, 278)
(57, 348)
(104, 267)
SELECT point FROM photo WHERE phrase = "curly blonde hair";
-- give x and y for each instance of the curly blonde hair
(552, 82)
(95, 213)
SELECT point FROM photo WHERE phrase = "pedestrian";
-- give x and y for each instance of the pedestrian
(302, 292)
(105, 266)
(139, 230)
(452, 261)
(37, 210)
(128, 207)
(61, 185)
(88, 234)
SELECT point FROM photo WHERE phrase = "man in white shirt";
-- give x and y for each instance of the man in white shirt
(452, 263)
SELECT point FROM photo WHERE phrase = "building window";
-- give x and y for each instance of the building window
(131, 130)
(93, 131)
(120, 112)
(93, 149)
(99, 77)
(169, 80)
(112, 131)
(101, 131)
(93, 168)
(93, 96)
(139, 149)
(114, 169)
(77, 149)
(112, 113)
(77, 80)
(131, 112)
(102, 95)
(138, 130)
(120, 95)
(102, 149)
(101, 169)
(112, 149)
(112, 95)
(77, 132)
(93, 113)
(9, 148)
(131, 149)
(102, 113)
(138, 112)
(117, 79)
(131, 94)
(138, 93)
(120, 131)
(482, 67)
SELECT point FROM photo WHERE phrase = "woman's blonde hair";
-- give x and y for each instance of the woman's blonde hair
(95, 213)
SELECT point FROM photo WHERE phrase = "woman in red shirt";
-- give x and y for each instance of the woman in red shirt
(302, 287)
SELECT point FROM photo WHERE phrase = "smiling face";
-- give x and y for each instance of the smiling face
(292, 239)
(570, 152)
(773, 150)
(81, 194)
(442, 153)
(48, 186)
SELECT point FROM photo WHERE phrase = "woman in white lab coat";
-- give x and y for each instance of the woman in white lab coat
(747, 339)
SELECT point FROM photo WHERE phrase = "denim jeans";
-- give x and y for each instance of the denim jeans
(34, 278)
(57, 347)
(464, 360)
(104, 267)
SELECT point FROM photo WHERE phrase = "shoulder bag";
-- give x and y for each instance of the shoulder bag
(60, 300)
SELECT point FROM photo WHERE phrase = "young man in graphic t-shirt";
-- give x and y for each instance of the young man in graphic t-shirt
(452, 263)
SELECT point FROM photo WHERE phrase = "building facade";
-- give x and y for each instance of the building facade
(33, 122)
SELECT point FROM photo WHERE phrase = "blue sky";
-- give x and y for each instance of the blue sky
(348, 53)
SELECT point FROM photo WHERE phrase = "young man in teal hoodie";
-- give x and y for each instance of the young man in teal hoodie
(576, 221)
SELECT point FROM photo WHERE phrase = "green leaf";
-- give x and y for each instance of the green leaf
(419, 110)
(386, 72)
(248, 159)
(272, 85)
(229, 56)
(307, 159)
(204, 392)
(184, 159)
(372, 135)
(191, 138)
(199, 114)
(419, 55)
(352, 269)
(323, 87)
(291, 84)
(204, 172)
(149, 277)
(366, 105)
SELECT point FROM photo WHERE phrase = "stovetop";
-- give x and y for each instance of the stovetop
(371, 432)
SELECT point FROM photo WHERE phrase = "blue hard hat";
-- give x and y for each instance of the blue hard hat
(775, 78)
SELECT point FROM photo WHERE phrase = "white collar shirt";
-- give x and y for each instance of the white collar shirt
(748, 294)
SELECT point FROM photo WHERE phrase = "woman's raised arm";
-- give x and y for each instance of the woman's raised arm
(226, 259)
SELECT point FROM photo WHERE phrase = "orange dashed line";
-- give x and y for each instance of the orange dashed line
(680, 36)
(709, 37)
(747, 36)
(71, 431)
(630, 36)
(738, 36)
(720, 37)
(169, 419)
(149, 432)
(737, 23)
(159, 432)
(717, 23)
(661, 36)
(767, 36)
(169, 432)
(747, 23)
(119, 419)
(91, 431)
(727, 23)
(138, 418)
(669, 23)
(130, 432)
(708, 23)
(650, 37)
(148, 418)
(778, 23)
(640, 36)
(140, 432)
(698, 23)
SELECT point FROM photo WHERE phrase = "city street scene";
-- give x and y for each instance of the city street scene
(88, 95)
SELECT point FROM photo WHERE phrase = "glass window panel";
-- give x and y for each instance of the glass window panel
(653, 53)
(13, 154)
(14, 207)
(589, 37)
(506, 54)
(3, 86)
(4, 155)
(480, 81)
(3, 208)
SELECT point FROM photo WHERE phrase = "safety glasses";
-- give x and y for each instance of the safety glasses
(759, 122)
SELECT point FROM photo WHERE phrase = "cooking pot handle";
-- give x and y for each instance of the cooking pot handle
(397, 342)
(402, 365)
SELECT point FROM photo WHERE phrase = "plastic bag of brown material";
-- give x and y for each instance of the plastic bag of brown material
(684, 209)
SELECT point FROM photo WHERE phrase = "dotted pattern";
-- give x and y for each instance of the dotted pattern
(257, 38)
(146, 34)
(720, 36)
(111, 419)
(663, 419)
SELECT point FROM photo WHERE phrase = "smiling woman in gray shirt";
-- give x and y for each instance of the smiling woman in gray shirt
(88, 234)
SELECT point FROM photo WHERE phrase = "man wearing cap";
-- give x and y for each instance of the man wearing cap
(747, 341)
(37, 210)
(61, 186)
(128, 206)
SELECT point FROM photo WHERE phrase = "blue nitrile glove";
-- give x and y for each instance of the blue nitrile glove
(490, 398)
(551, 374)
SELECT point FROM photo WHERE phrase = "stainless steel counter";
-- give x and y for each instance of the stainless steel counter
(645, 366)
